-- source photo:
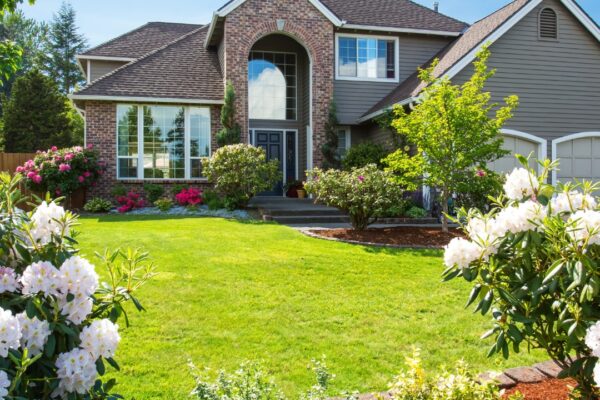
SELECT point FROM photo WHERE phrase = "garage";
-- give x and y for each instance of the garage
(579, 156)
(519, 143)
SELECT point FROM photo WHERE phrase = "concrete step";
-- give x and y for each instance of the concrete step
(311, 219)
(307, 211)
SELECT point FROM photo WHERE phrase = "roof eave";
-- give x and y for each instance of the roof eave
(143, 99)
(376, 114)
(401, 30)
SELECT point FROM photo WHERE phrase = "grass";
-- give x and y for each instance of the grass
(232, 291)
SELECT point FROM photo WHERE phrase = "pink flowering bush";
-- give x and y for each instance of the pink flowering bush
(534, 263)
(58, 322)
(130, 202)
(62, 171)
(189, 197)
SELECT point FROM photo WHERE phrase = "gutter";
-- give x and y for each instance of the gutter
(409, 101)
(141, 99)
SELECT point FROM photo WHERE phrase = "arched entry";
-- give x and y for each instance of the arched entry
(579, 156)
(518, 142)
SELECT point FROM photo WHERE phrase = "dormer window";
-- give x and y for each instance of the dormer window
(367, 58)
(548, 24)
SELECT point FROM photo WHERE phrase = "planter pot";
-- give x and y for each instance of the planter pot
(293, 192)
(301, 193)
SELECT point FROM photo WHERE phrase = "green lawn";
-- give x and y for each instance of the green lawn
(231, 291)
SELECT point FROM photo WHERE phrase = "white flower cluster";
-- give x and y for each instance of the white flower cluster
(461, 253)
(572, 201)
(100, 339)
(40, 277)
(4, 385)
(9, 281)
(585, 226)
(34, 333)
(46, 222)
(520, 184)
(10, 332)
(592, 340)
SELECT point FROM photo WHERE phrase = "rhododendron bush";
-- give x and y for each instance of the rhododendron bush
(62, 171)
(534, 264)
(58, 323)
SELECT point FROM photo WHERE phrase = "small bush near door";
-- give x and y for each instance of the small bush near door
(364, 154)
(239, 172)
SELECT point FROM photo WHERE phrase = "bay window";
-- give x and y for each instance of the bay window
(367, 58)
(162, 142)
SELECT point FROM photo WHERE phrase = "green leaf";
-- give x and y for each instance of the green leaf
(50, 346)
(113, 363)
(474, 294)
(100, 367)
(554, 270)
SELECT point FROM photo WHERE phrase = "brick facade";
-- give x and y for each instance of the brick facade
(101, 125)
(256, 19)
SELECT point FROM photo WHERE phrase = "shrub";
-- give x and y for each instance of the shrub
(130, 202)
(364, 154)
(153, 192)
(239, 172)
(533, 263)
(189, 197)
(119, 190)
(477, 188)
(164, 204)
(98, 205)
(61, 172)
(178, 188)
(212, 200)
(416, 212)
(53, 307)
(364, 193)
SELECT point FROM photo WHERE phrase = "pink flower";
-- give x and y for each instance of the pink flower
(64, 167)
(481, 173)
(37, 179)
(90, 146)
(81, 179)
(361, 179)
(87, 174)
(20, 169)
(54, 148)
(31, 174)
(69, 156)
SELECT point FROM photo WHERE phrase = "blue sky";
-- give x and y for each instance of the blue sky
(103, 20)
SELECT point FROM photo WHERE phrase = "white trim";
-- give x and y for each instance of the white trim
(104, 58)
(541, 142)
(89, 72)
(137, 99)
(384, 110)
(567, 138)
(316, 3)
(583, 18)
(401, 30)
(396, 40)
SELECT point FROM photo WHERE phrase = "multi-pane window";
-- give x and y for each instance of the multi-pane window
(162, 142)
(343, 142)
(367, 58)
(272, 85)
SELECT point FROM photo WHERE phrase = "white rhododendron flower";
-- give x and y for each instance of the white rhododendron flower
(461, 252)
(100, 339)
(78, 277)
(485, 233)
(34, 332)
(4, 385)
(572, 202)
(520, 184)
(45, 221)
(585, 226)
(76, 310)
(41, 277)
(10, 332)
(76, 371)
(525, 217)
(592, 339)
(9, 282)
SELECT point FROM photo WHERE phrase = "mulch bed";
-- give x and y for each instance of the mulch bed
(398, 236)
(552, 389)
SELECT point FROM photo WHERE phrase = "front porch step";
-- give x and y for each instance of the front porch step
(311, 219)
(308, 211)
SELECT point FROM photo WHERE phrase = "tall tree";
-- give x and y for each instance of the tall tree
(37, 116)
(30, 36)
(10, 53)
(231, 131)
(454, 129)
(63, 46)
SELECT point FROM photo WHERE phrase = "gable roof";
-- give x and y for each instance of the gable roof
(182, 70)
(384, 15)
(461, 52)
(140, 41)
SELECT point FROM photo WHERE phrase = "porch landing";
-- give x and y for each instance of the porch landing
(297, 212)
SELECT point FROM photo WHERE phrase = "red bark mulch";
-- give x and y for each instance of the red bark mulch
(552, 389)
(398, 236)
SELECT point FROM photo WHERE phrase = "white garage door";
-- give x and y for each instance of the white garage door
(579, 159)
(516, 145)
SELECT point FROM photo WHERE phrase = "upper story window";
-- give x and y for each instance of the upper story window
(367, 58)
(162, 142)
(548, 24)
(272, 85)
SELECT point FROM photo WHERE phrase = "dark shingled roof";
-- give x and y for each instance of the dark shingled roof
(452, 54)
(183, 69)
(393, 13)
(142, 40)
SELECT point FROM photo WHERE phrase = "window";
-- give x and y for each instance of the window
(272, 85)
(367, 58)
(343, 141)
(548, 24)
(162, 142)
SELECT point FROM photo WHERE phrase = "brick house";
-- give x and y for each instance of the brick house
(153, 98)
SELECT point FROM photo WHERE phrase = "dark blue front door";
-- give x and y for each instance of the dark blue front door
(272, 143)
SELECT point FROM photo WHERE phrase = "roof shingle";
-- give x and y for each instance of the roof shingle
(183, 69)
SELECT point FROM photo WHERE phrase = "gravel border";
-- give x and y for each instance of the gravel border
(202, 211)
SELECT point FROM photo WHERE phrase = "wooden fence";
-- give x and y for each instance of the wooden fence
(10, 161)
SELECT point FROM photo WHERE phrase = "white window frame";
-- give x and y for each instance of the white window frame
(140, 133)
(348, 132)
(396, 40)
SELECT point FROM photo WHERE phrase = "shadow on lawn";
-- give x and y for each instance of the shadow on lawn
(405, 251)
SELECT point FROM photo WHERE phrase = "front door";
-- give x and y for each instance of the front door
(272, 143)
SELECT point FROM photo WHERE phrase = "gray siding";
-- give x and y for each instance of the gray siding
(558, 82)
(354, 98)
(100, 68)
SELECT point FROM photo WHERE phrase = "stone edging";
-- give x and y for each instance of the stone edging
(526, 375)
(313, 235)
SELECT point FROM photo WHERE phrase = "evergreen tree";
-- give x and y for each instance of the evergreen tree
(231, 131)
(63, 46)
(10, 53)
(37, 116)
(331, 157)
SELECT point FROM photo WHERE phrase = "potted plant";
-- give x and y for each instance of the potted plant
(291, 188)
(301, 192)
